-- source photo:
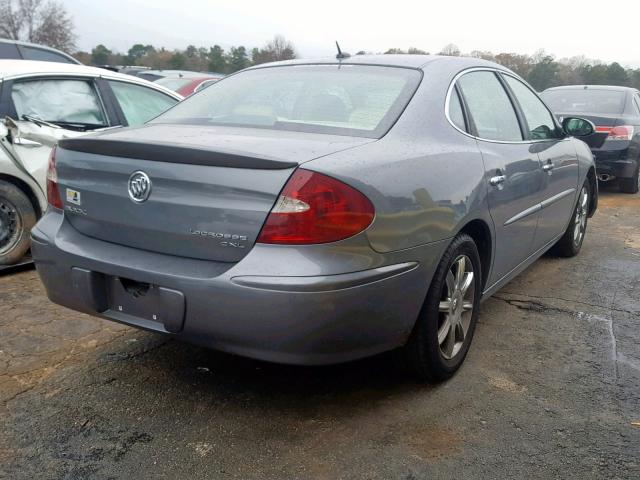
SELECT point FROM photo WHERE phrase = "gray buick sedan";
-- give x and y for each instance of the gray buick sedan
(315, 212)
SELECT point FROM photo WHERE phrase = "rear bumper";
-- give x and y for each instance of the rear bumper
(314, 319)
(619, 163)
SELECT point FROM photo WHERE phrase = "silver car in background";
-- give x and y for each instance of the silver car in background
(315, 212)
(42, 103)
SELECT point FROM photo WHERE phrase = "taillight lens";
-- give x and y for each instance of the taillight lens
(53, 193)
(623, 132)
(315, 208)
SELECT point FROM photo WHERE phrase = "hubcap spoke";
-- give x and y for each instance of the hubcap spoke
(468, 280)
(443, 332)
(460, 269)
(451, 284)
(445, 306)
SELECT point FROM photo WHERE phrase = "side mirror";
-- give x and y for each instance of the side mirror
(4, 131)
(578, 127)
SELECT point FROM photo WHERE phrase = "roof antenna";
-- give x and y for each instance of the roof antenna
(340, 54)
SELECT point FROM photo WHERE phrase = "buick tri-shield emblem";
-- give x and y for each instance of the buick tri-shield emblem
(139, 187)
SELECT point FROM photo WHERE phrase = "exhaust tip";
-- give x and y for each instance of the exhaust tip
(605, 177)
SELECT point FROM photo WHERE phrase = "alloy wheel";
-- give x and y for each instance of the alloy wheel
(10, 225)
(580, 220)
(456, 307)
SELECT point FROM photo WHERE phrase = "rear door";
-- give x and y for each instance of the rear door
(512, 169)
(559, 162)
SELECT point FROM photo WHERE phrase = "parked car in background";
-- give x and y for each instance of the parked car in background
(153, 75)
(42, 103)
(16, 50)
(616, 113)
(315, 212)
(185, 86)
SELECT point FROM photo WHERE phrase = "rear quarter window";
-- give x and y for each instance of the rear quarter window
(9, 51)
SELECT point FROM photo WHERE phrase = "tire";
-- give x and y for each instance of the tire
(631, 185)
(571, 242)
(425, 355)
(17, 218)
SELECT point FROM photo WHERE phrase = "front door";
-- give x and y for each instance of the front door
(558, 159)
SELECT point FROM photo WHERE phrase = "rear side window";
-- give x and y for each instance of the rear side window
(489, 106)
(539, 119)
(585, 100)
(10, 51)
(140, 104)
(30, 53)
(456, 113)
(69, 103)
(353, 100)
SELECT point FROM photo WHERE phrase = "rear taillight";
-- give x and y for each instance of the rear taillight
(53, 193)
(315, 208)
(623, 132)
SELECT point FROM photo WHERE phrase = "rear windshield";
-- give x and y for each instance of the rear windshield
(585, 101)
(335, 99)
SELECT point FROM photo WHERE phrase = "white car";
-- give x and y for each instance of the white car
(42, 103)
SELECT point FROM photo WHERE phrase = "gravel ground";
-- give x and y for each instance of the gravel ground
(551, 389)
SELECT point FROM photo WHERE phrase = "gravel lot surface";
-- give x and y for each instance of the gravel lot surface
(551, 389)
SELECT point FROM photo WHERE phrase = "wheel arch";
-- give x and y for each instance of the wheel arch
(26, 189)
(593, 186)
(480, 232)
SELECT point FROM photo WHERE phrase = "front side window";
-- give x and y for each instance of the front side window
(69, 103)
(353, 100)
(539, 119)
(140, 104)
(489, 106)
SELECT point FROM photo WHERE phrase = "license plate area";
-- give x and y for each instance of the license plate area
(147, 305)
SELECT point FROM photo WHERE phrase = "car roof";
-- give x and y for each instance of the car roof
(390, 60)
(41, 47)
(10, 69)
(613, 88)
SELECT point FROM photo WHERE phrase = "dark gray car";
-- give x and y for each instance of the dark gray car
(615, 111)
(319, 212)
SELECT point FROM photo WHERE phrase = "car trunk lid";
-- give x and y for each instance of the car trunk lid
(211, 187)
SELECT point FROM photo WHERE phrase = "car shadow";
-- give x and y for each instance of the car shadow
(186, 368)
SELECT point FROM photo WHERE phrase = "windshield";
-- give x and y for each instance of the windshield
(335, 99)
(583, 100)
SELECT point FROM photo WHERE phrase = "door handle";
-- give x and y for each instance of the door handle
(497, 180)
(548, 167)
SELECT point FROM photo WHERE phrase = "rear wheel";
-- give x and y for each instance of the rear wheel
(441, 337)
(571, 242)
(631, 185)
(17, 217)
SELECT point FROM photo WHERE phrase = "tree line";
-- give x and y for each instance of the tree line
(201, 59)
(48, 22)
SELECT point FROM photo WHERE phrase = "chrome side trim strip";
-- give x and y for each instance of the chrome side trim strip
(525, 213)
(557, 197)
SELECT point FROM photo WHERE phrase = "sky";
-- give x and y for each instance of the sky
(608, 32)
